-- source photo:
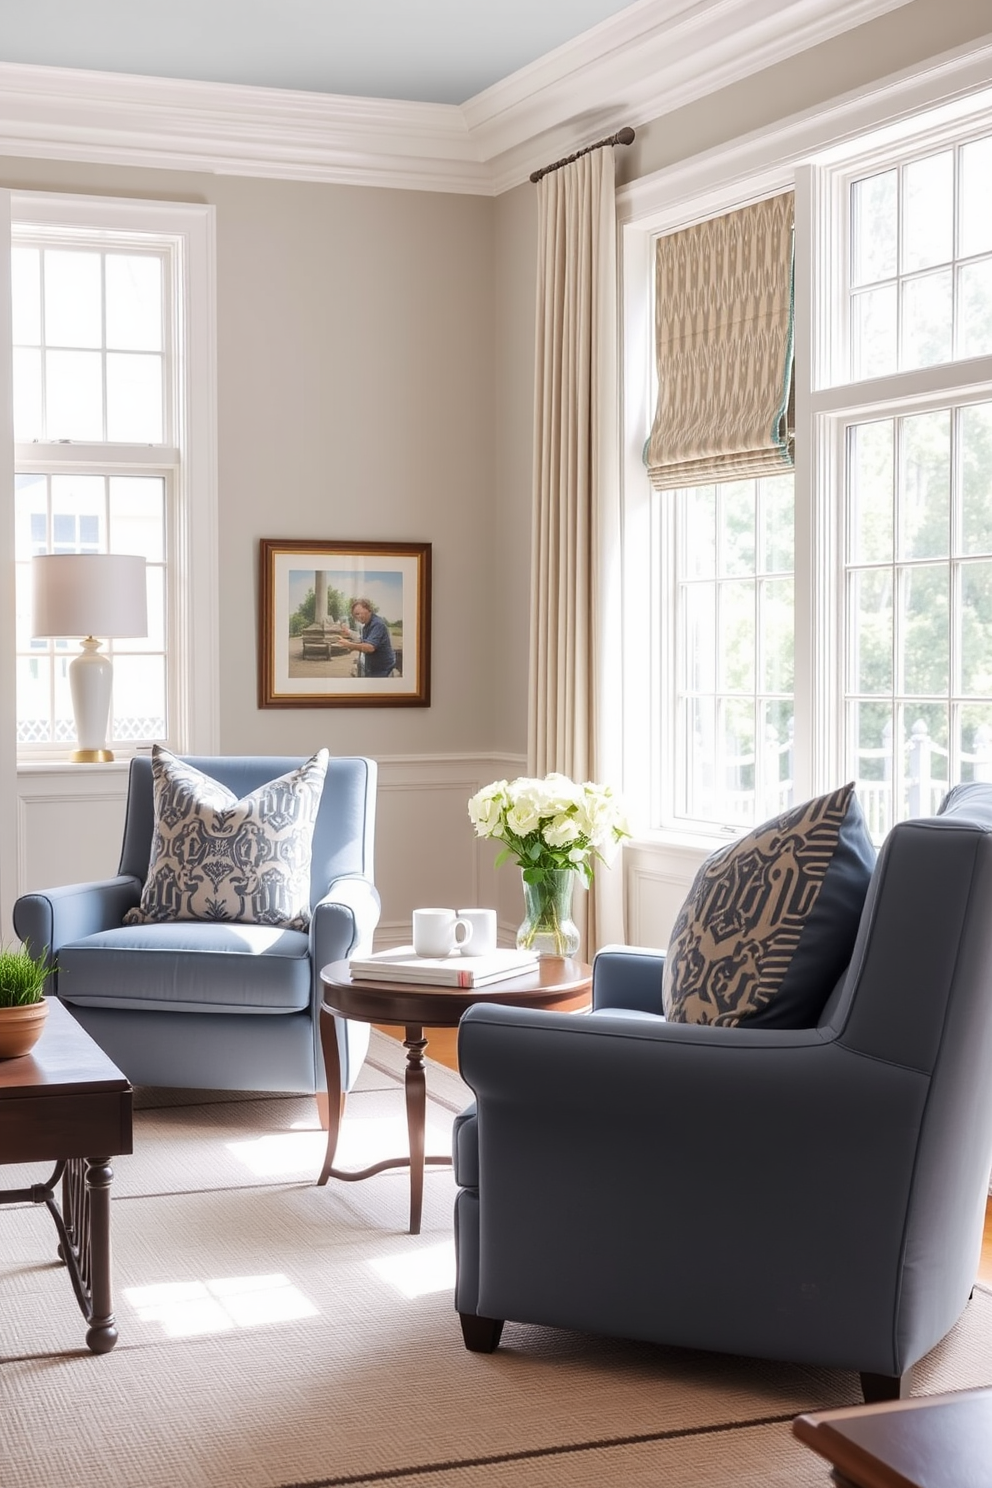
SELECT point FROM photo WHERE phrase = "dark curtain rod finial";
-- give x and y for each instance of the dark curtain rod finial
(623, 136)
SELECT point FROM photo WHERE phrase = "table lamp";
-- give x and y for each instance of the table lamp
(86, 595)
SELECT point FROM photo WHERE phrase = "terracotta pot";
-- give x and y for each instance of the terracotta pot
(20, 1028)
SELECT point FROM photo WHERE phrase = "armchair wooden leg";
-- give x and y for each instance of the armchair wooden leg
(481, 1334)
(880, 1387)
(323, 1108)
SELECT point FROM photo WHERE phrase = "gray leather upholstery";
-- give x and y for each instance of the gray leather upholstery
(214, 1005)
(814, 1195)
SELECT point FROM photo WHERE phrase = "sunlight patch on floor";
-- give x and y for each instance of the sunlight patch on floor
(423, 1271)
(279, 1153)
(185, 1308)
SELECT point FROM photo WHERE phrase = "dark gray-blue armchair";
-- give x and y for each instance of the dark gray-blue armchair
(816, 1195)
(216, 1005)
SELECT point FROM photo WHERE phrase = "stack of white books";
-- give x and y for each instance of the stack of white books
(402, 964)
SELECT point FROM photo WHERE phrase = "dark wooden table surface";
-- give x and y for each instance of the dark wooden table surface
(558, 983)
(936, 1441)
(67, 1103)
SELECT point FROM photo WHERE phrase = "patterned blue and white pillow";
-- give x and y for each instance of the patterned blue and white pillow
(217, 858)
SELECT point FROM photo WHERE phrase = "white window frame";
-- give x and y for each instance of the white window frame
(813, 155)
(188, 458)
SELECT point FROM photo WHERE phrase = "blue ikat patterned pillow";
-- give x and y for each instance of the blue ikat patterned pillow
(214, 857)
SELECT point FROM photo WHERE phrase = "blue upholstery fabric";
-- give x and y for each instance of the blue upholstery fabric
(203, 1004)
(811, 1195)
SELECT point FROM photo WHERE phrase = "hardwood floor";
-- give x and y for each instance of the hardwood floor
(442, 1045)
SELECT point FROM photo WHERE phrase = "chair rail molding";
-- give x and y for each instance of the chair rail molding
(653, 57)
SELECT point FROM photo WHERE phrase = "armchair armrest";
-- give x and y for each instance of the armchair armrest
(54, 917)
(628, 977)
(343, 922)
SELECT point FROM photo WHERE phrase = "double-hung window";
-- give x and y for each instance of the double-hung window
(113, 413)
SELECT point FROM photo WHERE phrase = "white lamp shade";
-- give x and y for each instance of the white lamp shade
(89, 594)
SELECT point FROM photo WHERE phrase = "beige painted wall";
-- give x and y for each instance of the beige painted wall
(356, 388)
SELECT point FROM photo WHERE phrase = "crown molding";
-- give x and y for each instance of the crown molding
(655, 56)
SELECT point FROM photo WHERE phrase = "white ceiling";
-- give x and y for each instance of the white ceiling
(427, 51)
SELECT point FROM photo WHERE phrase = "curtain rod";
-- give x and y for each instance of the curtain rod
(623, 136)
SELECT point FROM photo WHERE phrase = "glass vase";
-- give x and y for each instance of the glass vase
(548, 928)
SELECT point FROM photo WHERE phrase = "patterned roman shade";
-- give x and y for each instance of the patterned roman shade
(724, 346)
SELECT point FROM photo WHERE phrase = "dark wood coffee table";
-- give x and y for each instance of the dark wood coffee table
(935, 1441)
(63, 1103)
(557, 983)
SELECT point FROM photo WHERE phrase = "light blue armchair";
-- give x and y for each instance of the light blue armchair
(214, 1005)
(814, 1195)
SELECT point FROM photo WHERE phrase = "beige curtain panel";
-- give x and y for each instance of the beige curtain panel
(574, 661)
(724, 343)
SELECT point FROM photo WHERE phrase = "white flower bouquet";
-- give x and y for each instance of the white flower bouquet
(550, 825)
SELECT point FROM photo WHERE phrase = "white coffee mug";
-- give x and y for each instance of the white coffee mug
(483, 922)
(436, 932)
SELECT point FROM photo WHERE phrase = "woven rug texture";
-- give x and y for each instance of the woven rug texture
(275, 1334)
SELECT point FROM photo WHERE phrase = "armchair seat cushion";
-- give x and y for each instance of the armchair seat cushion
(253, 968)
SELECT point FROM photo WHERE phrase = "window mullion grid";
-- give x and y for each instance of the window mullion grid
(955, 739)
(103, 342)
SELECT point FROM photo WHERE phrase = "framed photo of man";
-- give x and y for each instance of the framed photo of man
(344, 624)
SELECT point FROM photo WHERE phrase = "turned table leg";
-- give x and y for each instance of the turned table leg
(415, 1085)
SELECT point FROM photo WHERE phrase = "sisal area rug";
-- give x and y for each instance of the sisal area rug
(273, 1334)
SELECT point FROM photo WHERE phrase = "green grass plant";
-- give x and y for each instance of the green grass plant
(22, 977)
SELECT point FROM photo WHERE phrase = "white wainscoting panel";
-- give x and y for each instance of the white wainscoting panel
(658, 877)
(70, 822)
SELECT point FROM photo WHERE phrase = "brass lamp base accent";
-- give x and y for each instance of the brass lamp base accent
(91, 756)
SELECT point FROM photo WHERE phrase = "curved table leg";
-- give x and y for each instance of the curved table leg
(415, 1085)
(335, 1093)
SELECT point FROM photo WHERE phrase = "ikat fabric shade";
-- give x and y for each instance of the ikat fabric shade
(724, 348)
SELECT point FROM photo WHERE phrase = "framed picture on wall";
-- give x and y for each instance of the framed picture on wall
(344, 624)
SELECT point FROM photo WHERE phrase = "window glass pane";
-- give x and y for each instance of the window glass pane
(976, 198)
(975, 741)
(137, 516)
(871, 725)
(924, 629)
(976, 478)
(924, 498)
(34, 683)
(28, 422)
(776, 635)
(737, 527)
(134, 302)
(777, 508)
(73, 299)
(873, 332)
(737, 636)
(874, 220)
(926, 758)
(699, 637)
(75, 395)
(927, 320)
(976, 630)
(975, 309)
(871, 632)
(871, 471)
(30, 516)
(736, 763)
(138, 703)
(698, 527)
(25, 296)
(699, 753)
(74, 499)
(63, 722)
(928, 212)
(134, 398)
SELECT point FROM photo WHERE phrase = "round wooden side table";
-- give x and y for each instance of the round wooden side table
(557, 983)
